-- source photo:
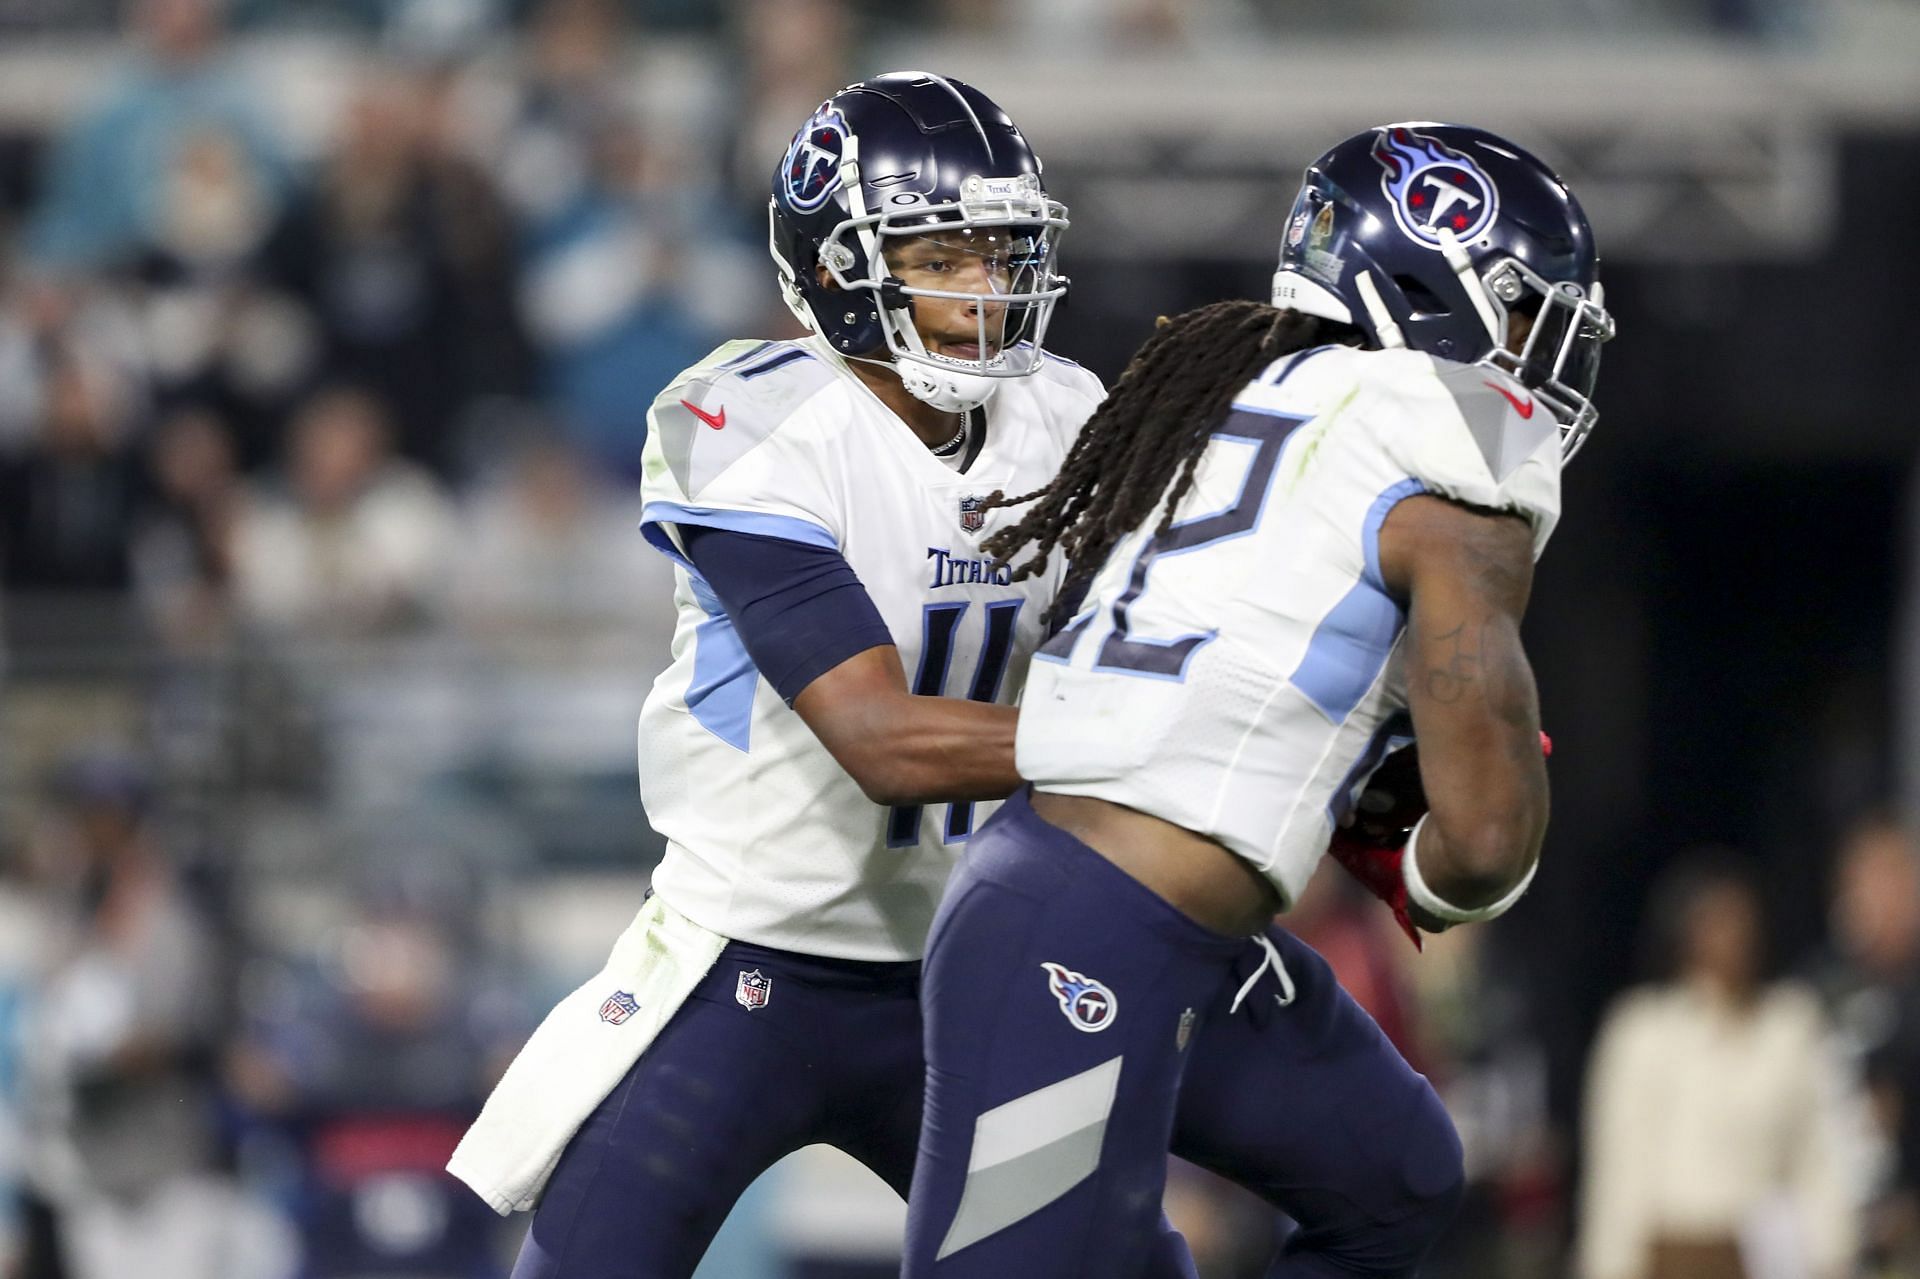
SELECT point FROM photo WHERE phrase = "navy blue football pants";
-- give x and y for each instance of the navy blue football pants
(1078, 1028)
(722, 1094)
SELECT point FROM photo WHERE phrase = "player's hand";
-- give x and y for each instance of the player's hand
(1378, 870)
(1392, 801)
(1373, 843)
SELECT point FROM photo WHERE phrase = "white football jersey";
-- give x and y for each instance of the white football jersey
(768, 839)
(1242, 674)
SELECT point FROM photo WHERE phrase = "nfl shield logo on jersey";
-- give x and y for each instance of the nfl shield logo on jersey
(752, 990)
(617, 1007)
(1089, 1005)
(972, 517)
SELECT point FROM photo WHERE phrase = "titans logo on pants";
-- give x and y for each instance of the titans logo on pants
(1089, 1005)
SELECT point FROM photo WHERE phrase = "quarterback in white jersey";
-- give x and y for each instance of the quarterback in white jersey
(769, 839)
(838, 716)
(1310, 532)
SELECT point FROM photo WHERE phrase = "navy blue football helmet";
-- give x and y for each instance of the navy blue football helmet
(1429, 236)
(902, 155)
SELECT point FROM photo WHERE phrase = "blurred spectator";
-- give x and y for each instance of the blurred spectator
(636, 279)
(1713, 1124)
(1102, 27)
(1871, 982)
(578, 53)
(183, 554)
(121, 1044)
(549, 546)
(23, 957)
(574, 612)
(368, 1060)
(176, 156)
(794, 54)
(67, 503)
(40, 323)
(611, 210)
(404, 252)
(357, 542)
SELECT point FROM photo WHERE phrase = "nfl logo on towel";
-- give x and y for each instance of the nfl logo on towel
(972, 518)
(618, 1007)
(752, 990)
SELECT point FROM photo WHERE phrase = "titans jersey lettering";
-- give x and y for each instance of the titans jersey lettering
(950, 569)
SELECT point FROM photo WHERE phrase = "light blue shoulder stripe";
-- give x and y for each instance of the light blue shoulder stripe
(720, 695)
(759, 523)
(1377, 514)
(1350, 646)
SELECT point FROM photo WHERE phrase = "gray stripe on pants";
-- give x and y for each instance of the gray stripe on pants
(997, 1197)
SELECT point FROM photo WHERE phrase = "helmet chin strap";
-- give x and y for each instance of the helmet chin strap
(1385, 331)
(1456, 258)
(949, 390)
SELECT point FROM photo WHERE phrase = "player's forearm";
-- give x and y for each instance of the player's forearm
(930, 750)
(1488, 800)
(1477, 715)
(1474, 863)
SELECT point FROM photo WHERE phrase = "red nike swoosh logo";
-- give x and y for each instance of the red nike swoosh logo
(719, 420)
(1524, 410)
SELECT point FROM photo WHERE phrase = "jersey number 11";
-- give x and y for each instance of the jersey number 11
(940, 624)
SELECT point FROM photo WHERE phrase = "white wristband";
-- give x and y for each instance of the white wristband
(1427, 900)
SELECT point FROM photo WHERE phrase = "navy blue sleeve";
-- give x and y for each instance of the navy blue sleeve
(799, 610)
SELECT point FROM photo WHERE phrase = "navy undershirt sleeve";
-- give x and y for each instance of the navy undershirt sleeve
(799, 610)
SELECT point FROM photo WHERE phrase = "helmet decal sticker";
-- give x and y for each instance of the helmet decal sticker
(811, 170)
(1429, 185)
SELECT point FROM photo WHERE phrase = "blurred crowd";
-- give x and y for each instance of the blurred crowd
(323, 626)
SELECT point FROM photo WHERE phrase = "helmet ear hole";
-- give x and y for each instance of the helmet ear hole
(1421, 300)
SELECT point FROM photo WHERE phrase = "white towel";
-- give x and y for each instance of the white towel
(584, 1047)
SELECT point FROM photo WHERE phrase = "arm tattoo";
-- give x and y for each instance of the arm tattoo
(1458, 673)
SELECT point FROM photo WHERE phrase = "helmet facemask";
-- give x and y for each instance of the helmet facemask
(1011, 228)
(1559, 361)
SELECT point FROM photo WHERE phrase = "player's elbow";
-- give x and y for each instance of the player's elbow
(882, 776)
(1484, 859)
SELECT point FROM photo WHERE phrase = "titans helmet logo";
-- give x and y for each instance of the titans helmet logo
(1089, 1005)
(811, 171)
(1430, 185)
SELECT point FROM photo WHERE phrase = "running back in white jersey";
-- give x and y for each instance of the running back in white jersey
(768, 839)
(1242, 674)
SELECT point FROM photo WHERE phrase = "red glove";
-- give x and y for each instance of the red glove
(1372, 846)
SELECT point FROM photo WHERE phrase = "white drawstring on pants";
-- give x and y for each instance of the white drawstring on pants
(1270, 960)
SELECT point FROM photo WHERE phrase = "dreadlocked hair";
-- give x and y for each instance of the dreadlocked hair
(1149, 432)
